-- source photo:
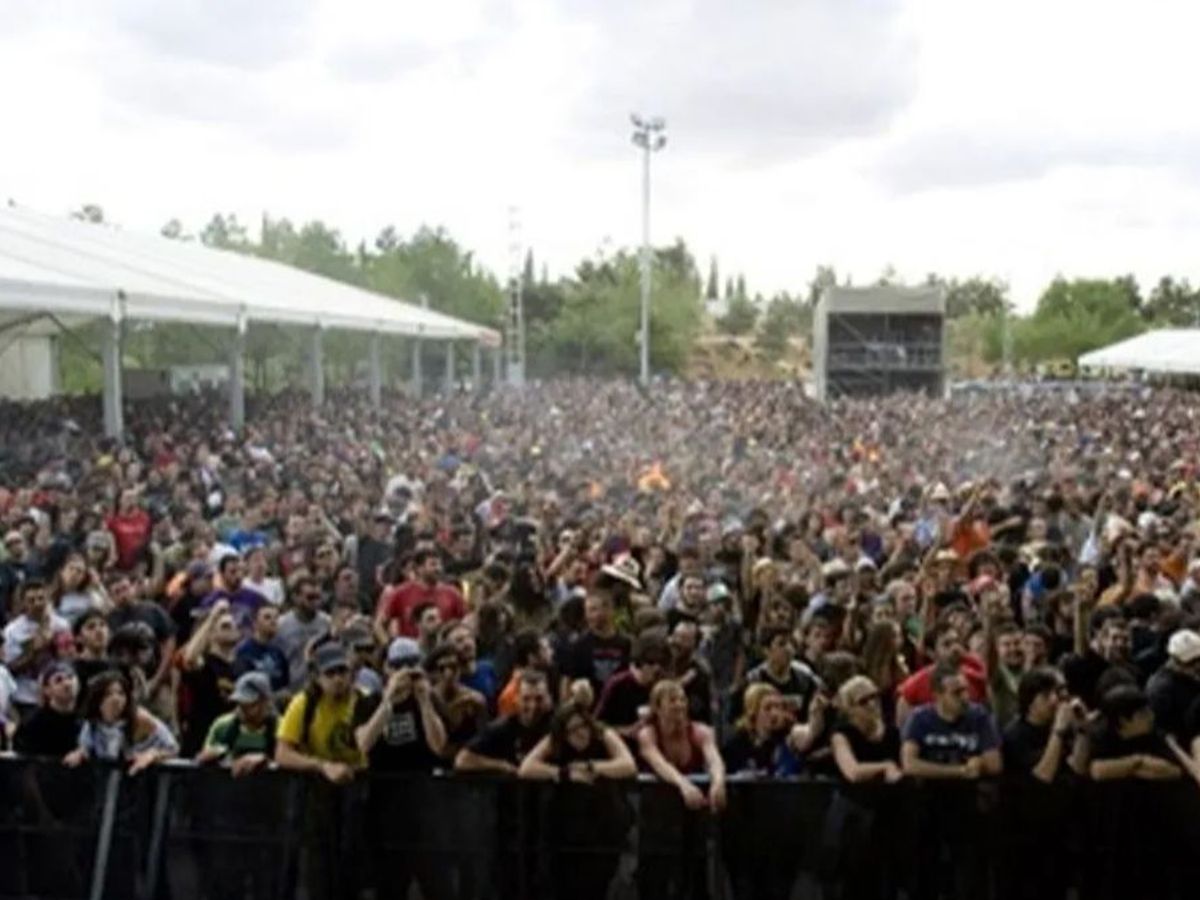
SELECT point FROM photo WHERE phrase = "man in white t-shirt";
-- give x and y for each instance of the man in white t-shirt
(31, 641)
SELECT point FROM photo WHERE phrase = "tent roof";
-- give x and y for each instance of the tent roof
(1171, 350)
(81, 270)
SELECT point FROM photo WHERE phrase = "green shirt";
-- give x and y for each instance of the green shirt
(235, 738)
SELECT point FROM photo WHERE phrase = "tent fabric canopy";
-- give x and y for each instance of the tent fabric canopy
(1169, 351)
(81, 270)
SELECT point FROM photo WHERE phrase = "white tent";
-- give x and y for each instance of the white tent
(62, 272)
(1169, 351)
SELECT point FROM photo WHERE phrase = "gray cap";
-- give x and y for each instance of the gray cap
(403, 652)
(331, 655)
(251, 687)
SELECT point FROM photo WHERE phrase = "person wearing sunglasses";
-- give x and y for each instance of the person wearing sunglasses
(862, 819)
(949, 739)
(865, 746)
(464, 710)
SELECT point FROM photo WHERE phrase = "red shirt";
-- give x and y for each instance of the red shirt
(131, 533)
(917, 689)
(399, 602)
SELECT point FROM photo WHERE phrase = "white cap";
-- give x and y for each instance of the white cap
(1184, 646)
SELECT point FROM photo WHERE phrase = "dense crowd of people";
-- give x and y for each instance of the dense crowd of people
(583, 580)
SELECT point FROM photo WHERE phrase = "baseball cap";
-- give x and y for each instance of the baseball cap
(331, 655)
(251, 687)
(1184, 646)
(56, 668)
(358, 636)
(403, 652)
(718, 592)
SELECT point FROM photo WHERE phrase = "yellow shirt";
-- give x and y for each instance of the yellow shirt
(331, 733)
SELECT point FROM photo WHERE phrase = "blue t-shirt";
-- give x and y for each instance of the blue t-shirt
(243, 541)
(254, 656)
(484, 680)
(951, 743)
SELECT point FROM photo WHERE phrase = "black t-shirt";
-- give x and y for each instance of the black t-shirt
(1024, 744)
(621, 698)
(403, 745)
(207, 697)
(865, 750)
(509, 740)
(597, 658)
(741, 754)
(1171, 696)
(48, 733)
(1107, 744)
(1083, 673)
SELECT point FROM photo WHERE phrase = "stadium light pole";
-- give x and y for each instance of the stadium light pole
(648, 135)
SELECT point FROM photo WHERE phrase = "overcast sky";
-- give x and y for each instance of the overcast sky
(1019, 139)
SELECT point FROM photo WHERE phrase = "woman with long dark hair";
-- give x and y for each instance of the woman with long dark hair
(588, 818)
(116, 729)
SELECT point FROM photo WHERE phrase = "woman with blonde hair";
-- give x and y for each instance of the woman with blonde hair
(861, 821)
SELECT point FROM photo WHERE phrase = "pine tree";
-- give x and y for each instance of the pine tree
(712, 292)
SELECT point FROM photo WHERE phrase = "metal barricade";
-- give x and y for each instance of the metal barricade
(180, 831)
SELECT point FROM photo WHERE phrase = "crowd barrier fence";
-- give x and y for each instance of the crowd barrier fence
(181, 831)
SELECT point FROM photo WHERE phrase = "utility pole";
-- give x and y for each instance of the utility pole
(514, 337)
(648, 134)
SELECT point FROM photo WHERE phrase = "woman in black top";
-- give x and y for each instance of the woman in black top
(861, 824)
(865, 746)
(587, 816)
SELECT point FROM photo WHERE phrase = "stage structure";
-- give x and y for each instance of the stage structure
(879, 340)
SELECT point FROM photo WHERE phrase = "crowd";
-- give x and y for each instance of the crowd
(584, 580)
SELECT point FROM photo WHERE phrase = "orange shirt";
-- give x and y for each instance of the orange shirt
(506, 703)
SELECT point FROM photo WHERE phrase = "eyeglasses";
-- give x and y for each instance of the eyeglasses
(336, 671)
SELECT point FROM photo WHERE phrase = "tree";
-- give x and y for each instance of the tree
(983, 296)
(785, 318)
(89, 212)
(527, 276)
(739, 317)
(728, 288)
(825, 277)
(740, 289)
(1073, 317)
(226, 233)
(887, 277)
(1172, 302)
(711, 291)
(174, 230)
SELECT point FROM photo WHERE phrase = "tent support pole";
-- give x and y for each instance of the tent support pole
(476, 367)
(316, 367)
(375, 371)
(416, 366)
(449, 367)
(110, 353)
(497, 366)
(237, 375)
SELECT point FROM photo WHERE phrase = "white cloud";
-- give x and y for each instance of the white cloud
(1020, 139)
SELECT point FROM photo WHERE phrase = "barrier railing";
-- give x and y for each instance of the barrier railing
(182, 831)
